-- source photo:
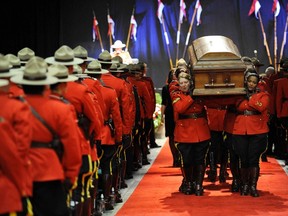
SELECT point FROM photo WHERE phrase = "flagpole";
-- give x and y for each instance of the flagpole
(178, 34)
(284, 41)
(264, 38)
(167, 42)
(275, 41)
(129, 31)
(189, 32)
(110, 32)
(98, 33)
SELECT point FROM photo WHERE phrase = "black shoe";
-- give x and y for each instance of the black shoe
(129, 176)
(154, 145)
(264, 158)
(145, 162)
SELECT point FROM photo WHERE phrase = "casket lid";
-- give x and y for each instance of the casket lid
(215, 52)
(215, 47)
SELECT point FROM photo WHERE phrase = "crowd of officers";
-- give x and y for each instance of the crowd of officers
(74, 127)
(235, 132)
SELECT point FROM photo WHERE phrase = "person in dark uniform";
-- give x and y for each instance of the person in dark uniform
(250, 132)
(168, 118)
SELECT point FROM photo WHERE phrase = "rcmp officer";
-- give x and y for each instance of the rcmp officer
(12, 186)
(190, 118)
(14, 90)
(51, 171)
(78, 94)
(149, 125)
(281, 104)
(112, 80)
(250, 132)
(18, 114)
(127, 160)
(144, 96)
(111, 133)
(218, 152)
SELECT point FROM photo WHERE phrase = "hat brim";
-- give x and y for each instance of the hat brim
(71, 78)
(103, 71)
(51, 60)
(107, 62)
(119, 46)
(10, 73)
(116, 71)
(81, 75)
(18, 79)
(88, 59)
(4, 82)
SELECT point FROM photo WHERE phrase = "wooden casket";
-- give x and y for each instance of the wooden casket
(217, 66)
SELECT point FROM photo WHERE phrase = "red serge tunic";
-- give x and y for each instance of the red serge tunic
(189, 130)
(123, 96)
(282, 98)
(256, 123)
(11, 179)
(18, 114)
(112, 111)
(45, 162)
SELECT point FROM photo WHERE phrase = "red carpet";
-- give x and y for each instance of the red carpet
(157, 193)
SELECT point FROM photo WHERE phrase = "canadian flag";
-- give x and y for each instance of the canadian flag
(276, 8)
(199, 11)
(111, 25)
(182, 10)
(255, 7)
(160, 10)
(133, 24)
(95, 32)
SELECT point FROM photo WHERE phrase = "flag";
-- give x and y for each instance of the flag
(182, 10)
(276, 8)
(95, 32)
(255, 7)
(111, 25)
(133, 24)
(160, 10)
(199, 11)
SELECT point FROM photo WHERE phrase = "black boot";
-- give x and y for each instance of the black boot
(107, 185)
(199, 172)
(123, 173)
(235, 187)
(86, 211)
(183, 185)
(244, 181)
(254, 175)
(115, 185)
(212, 175)
(190, 188)
(223, 165)
(94, 193)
